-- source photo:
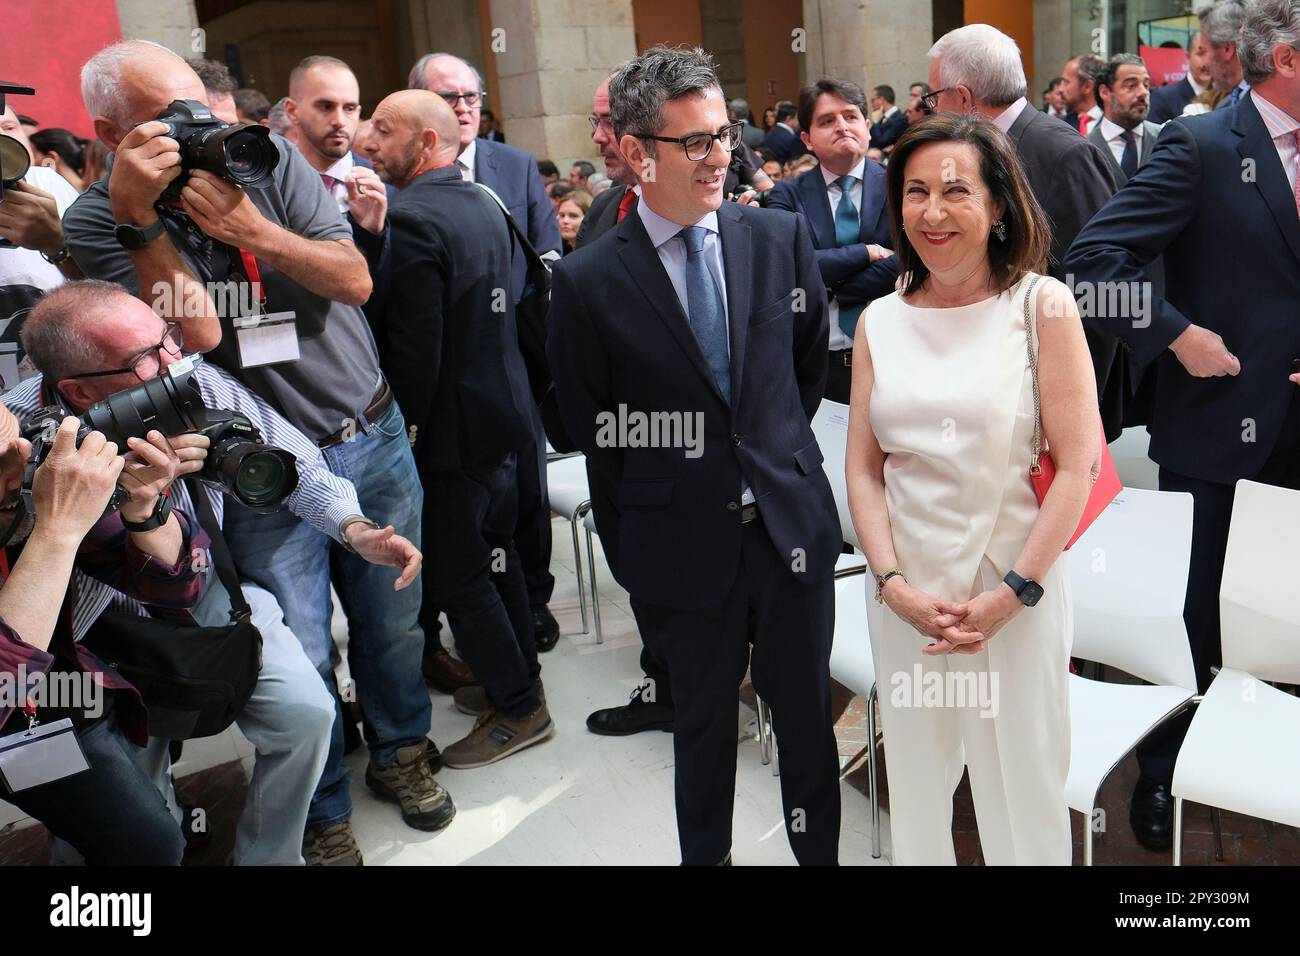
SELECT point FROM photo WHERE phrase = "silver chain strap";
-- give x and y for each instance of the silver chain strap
(1036, 446)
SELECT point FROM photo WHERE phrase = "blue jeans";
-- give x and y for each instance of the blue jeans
(292, 560)
(112, 813)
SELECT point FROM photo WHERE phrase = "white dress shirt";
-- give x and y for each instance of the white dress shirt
(466, 161)
(339, 172)
(1282, 128)
(838, 340)
(1113, 134)
(1009, 115)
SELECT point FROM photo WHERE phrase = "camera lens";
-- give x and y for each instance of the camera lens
(260, 478)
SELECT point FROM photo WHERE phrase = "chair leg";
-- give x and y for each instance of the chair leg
(1087, 837)
(873, 781)
(764, 741)
(574, 518)
(595, 597)
(1217, 822)
(1178, 831)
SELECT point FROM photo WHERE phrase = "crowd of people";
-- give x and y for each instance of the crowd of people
(918, 264)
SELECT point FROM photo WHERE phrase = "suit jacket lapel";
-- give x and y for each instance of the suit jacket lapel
(817, 208)
(1099, 141)
(647, 272)
(1270, 178)
(736, 256)
(873, 200)
(1150, 131)
(485, 166)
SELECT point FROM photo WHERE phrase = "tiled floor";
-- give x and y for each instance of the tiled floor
(583, 799)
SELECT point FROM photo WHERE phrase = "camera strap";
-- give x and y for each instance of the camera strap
(221, 556)
(254, 276)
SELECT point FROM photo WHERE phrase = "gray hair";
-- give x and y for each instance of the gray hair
(984, 60)
(101, 80)
(739, 107)
(1222, 22)
(638, 92)
(1268, 23)
(277, 119)
(416, 80)
(54, 334)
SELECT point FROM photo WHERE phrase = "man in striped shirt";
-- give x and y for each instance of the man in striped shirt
(94, 339)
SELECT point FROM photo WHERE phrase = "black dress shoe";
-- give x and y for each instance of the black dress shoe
(632, 718)
(546, 629)
(351, 732)
(1151, 814)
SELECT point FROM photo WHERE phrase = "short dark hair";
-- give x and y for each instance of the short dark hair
(214, 74)
(560, 188)
(846, 90)
(68, 146)
(1055, 82)
(584, 168)
(784, 111)
(925, 87)
(1028, 233)
(313, 61)
(486, 114)
(885, 92)
(547, 168)
(252, 103)
(1090, 67)
(638, 92)
(1107, 78)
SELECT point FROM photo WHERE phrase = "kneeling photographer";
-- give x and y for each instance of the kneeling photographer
(94, 341)
(71, 728)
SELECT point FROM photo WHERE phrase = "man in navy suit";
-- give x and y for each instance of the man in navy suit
(893, 123)
(512, 174)
(850, 227)
(712, 315)
(1170, 100)
(1225, 333)
(782, 140)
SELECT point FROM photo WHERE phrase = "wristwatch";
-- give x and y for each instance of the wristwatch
(1029, 592)
(133, 237)
(161, 510)
(347, 523)
(60, 257)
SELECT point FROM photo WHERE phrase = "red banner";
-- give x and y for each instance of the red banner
(1165, 64)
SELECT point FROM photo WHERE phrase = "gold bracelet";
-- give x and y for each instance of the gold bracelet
(884, 576)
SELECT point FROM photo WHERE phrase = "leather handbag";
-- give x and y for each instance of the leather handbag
(1042, 470)
(194, 681)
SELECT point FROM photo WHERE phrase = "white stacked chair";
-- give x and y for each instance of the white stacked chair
(1132, 463)
(569, 494)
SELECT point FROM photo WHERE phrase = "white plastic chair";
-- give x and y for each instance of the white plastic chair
(831, 426)
(1132, 463)
(1241, 752)
(569, 494)
(1128, 579)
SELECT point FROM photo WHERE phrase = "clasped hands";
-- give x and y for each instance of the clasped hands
(955, 628)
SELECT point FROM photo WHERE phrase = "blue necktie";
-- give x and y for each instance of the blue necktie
(847, 228)
(704, 309)
(1236, 95)
(1129, 160)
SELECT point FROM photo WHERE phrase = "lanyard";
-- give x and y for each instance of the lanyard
(254, 276)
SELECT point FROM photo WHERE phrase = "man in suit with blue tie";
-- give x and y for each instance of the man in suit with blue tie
(843, 202)
(713, 315)
(1225, 334)
(512, 174)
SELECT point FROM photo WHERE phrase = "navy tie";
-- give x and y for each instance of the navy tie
(1129, 161)
(1236, 95)
(847, 228)
(705, 310)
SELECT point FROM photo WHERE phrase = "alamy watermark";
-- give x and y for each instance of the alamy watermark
(637, 429)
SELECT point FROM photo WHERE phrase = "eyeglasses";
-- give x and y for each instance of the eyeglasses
(146, 365)
(699, 145)
(451, 96)
(598, 121)
(930, 101)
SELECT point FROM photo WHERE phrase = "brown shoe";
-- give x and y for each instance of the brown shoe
(496, 736)
(446, 673)
(472, 700)
(333, 845)
(408, 782)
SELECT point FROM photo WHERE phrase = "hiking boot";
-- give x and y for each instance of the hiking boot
(472, 700)
(496, 736)
(333, 845)
(409, 782)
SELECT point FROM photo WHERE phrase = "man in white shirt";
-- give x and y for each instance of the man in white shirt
(1124, 132)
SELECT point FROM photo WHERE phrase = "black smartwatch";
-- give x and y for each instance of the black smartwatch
(133, 237)
(161, 510)
(1029, 592)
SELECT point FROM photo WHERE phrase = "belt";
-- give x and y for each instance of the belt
(844, 356)
(382, 401)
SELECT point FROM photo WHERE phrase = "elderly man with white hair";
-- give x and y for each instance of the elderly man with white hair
(977, 69)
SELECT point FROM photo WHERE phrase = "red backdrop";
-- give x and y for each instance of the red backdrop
(43, 45)
(1165, 64)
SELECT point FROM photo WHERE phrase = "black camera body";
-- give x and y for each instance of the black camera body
(257, 475)
(243, 152)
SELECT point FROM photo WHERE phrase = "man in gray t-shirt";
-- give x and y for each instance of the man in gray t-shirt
(319, 369)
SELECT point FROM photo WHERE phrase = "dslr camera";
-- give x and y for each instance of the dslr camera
(243, 152)
(257, 475)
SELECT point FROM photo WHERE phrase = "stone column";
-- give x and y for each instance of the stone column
(870, 42)
(550, 56)
(1053, 43)
(170, 22)
(724, 37)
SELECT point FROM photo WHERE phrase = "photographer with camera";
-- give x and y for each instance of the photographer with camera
(92, 340)
(60, 569)
(317, 366)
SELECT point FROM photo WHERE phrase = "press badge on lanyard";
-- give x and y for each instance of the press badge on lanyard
(267, 338)
(40, 754)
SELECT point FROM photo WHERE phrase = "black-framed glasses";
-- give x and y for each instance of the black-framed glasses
(146, 364)
(930, 101)
(699, 145)
(472, 98)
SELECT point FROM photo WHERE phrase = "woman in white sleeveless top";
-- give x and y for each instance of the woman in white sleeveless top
(938, 478)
